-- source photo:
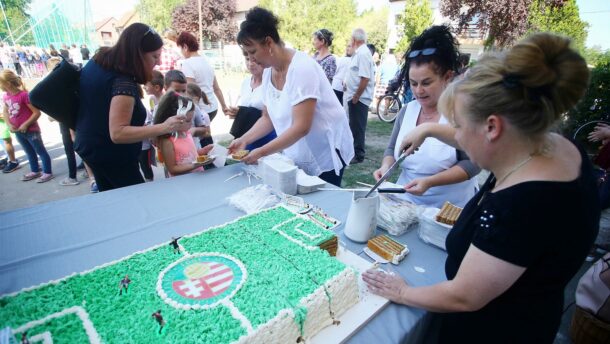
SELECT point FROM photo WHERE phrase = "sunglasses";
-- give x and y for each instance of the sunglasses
(150, 30)
(423, 52)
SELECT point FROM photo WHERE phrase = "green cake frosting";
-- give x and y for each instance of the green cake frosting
(247, 265)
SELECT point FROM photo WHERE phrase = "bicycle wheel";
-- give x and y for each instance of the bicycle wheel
(388, 107)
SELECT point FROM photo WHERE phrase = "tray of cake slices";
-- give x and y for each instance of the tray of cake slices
(435, 224)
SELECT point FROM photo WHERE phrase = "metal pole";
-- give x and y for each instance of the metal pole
(200, 26)
(10, 33)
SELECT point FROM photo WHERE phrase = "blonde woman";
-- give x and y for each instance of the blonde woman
(521, 239)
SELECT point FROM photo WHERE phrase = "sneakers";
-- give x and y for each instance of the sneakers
(3, 163)
(31, 175)
(94, 188)
(45, 178)
(69, 181)
(10, 167)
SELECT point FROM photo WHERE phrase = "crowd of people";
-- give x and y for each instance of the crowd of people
(519, 239)
(34, 62)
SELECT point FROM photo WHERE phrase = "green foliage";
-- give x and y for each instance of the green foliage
(158, 14)
(596, 103)
(564, 20)
(299, 19)
(375, 24)
(417, 17)
(596, 55)
(16, 14)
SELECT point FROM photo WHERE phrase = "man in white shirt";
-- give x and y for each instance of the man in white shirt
(359, 83)
(76, 56)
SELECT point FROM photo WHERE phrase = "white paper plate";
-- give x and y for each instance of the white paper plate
(374, 256)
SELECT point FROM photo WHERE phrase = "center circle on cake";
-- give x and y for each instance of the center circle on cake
(201, 281)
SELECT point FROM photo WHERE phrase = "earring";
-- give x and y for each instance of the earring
(270, 53)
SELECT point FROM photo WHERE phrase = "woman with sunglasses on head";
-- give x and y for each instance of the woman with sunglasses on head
(522, 238)
(437, 172)
(322, 40)
(298, 103)
(110, 123)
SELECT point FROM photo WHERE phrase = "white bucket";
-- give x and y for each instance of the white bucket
(362, 217)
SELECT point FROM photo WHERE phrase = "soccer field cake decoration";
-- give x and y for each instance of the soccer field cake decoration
(262, 278)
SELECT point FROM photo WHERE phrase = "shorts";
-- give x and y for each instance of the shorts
(4, 132)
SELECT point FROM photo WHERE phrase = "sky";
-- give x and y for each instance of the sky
(595, 12)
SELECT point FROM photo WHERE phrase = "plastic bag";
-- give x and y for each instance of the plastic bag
(397, 215)
(254, 198)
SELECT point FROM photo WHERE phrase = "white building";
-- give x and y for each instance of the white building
(468, 44)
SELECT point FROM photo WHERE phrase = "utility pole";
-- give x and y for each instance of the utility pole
(10, 33)
(200, 26)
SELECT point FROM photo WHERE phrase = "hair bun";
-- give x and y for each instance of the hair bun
(547, 61)
(262, 17)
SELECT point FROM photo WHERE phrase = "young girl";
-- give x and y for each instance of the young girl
(178, 149)
(21, 117)
(204, 133)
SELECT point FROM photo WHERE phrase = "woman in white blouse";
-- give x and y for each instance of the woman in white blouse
(298, 102)
(197, 69)
(251, 100)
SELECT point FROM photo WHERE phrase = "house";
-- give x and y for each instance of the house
(241, 8)
(127, 19)
(105, 32)
(469, 43)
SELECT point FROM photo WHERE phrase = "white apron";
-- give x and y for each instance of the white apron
(432, 157)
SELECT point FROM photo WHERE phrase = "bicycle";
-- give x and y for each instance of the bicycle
(389, 106)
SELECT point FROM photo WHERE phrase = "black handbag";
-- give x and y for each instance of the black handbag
(244, 120)
(57, 94)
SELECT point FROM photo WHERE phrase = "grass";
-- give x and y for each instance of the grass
(377, 137)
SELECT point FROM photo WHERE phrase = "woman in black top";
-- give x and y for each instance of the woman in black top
(110, 124)
(521, 239)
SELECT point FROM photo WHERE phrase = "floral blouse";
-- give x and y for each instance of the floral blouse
(329, 65)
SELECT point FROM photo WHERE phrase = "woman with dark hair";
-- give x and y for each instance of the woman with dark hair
(522, 238)
(197, 70)
(310, 123)
(437, 172)
(110, 124)
(322, 40)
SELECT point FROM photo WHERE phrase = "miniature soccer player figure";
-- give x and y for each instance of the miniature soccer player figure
(157, 315)
(174, 244)
(24, 338)
(124, 284)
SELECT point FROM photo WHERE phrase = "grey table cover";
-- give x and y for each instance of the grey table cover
(56, 239)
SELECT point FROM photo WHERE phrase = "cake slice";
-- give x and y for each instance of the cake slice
(448, 214)
(388, 248)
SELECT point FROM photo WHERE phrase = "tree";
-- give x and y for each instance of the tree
(502, 21)
(217, 18)
(595, 104)
(17, 16)
(375, 24)
(596, 55)
(158, 14)
(415, 19)
(299, 19)
(564, 20)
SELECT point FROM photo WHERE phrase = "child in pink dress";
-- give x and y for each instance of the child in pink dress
(178, 150)
(21, 118)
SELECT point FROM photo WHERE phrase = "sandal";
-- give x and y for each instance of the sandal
(29, 176)
(45, 178)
